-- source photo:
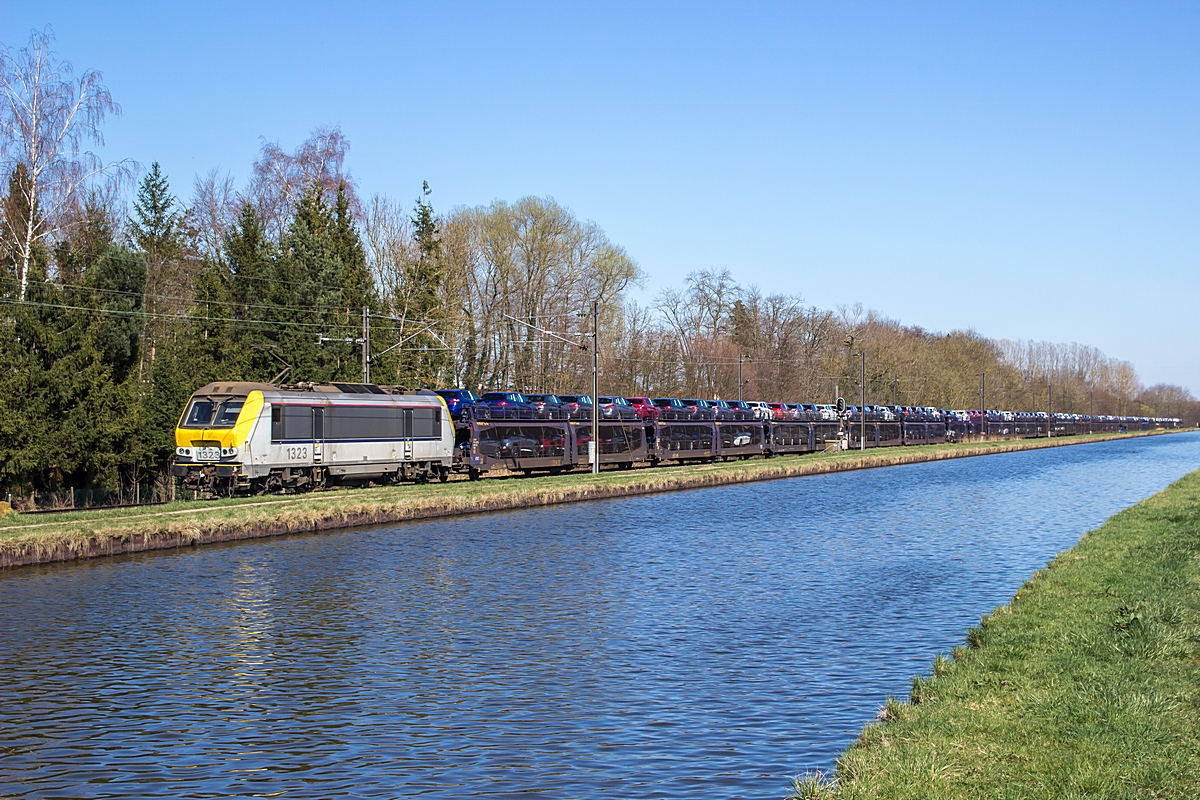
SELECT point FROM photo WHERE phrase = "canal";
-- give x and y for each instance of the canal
(710, 643)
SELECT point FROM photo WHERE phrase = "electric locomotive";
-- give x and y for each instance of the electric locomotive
(250, 438)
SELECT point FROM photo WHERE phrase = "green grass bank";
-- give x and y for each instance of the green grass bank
(1086, 685)
(35, 539)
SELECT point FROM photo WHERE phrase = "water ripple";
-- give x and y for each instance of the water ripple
(704, 643)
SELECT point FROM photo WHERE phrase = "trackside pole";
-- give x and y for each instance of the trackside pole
(595, 389)
(366, 345)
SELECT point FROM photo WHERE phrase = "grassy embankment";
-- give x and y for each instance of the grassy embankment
(1086, 685)
(29, 539)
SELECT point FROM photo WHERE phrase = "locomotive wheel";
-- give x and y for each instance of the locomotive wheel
(443, 474)
(473, 474)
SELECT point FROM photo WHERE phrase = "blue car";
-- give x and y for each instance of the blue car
(509, 405)
(457, 399)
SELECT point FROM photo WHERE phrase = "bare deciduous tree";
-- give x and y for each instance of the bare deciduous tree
(389, 245)
(516, 271)
(212, 212)
(280, 177)
(48, 119)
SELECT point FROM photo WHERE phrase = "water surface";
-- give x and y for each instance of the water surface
(708, 643)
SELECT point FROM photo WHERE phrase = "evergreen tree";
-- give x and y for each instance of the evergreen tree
(358, 288)
(119, 275)
(249, 272)
(309, 295)
(155, 233)
(74, 406)
(743, 327)
(155, 224)
(321, 287)
(423, 277)
(357, 283)
(24, 392)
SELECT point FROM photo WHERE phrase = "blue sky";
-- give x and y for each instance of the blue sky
(1026, 170)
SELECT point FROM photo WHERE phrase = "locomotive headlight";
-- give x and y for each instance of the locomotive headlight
(186, 452)
(229, 451)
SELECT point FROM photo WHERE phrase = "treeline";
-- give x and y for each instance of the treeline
(113, 310)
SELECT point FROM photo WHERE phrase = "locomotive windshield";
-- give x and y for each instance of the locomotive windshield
(207, 413)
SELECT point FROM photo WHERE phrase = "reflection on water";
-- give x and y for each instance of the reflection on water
(708, 643)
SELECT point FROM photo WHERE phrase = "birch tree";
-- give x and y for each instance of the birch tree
(281, 178)
(48, 120)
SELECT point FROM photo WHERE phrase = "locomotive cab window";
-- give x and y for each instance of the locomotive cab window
(206, 413)
(227, 413)
(199, 414)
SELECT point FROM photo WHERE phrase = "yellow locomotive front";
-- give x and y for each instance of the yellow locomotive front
(213, 436)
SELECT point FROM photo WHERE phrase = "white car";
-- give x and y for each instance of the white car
(760, 409)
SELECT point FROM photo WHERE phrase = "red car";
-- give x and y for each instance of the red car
(645, 407)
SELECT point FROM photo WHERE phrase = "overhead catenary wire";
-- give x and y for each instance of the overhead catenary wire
(331, 326)
(194, 300)
(180, 317)
(191, 317)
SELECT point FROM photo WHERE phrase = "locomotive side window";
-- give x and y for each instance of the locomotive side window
(363, 422)
(297, 423)
(276, 424)
(426, 423)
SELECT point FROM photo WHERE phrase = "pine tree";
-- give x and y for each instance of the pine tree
(743, 328)
(77, 344)
(250, 263)
(358, 289)
(25, 335)
(309, 298)
(358, 285)
(248, 274)
(423, 279)
(155, 226)
(155, 233)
